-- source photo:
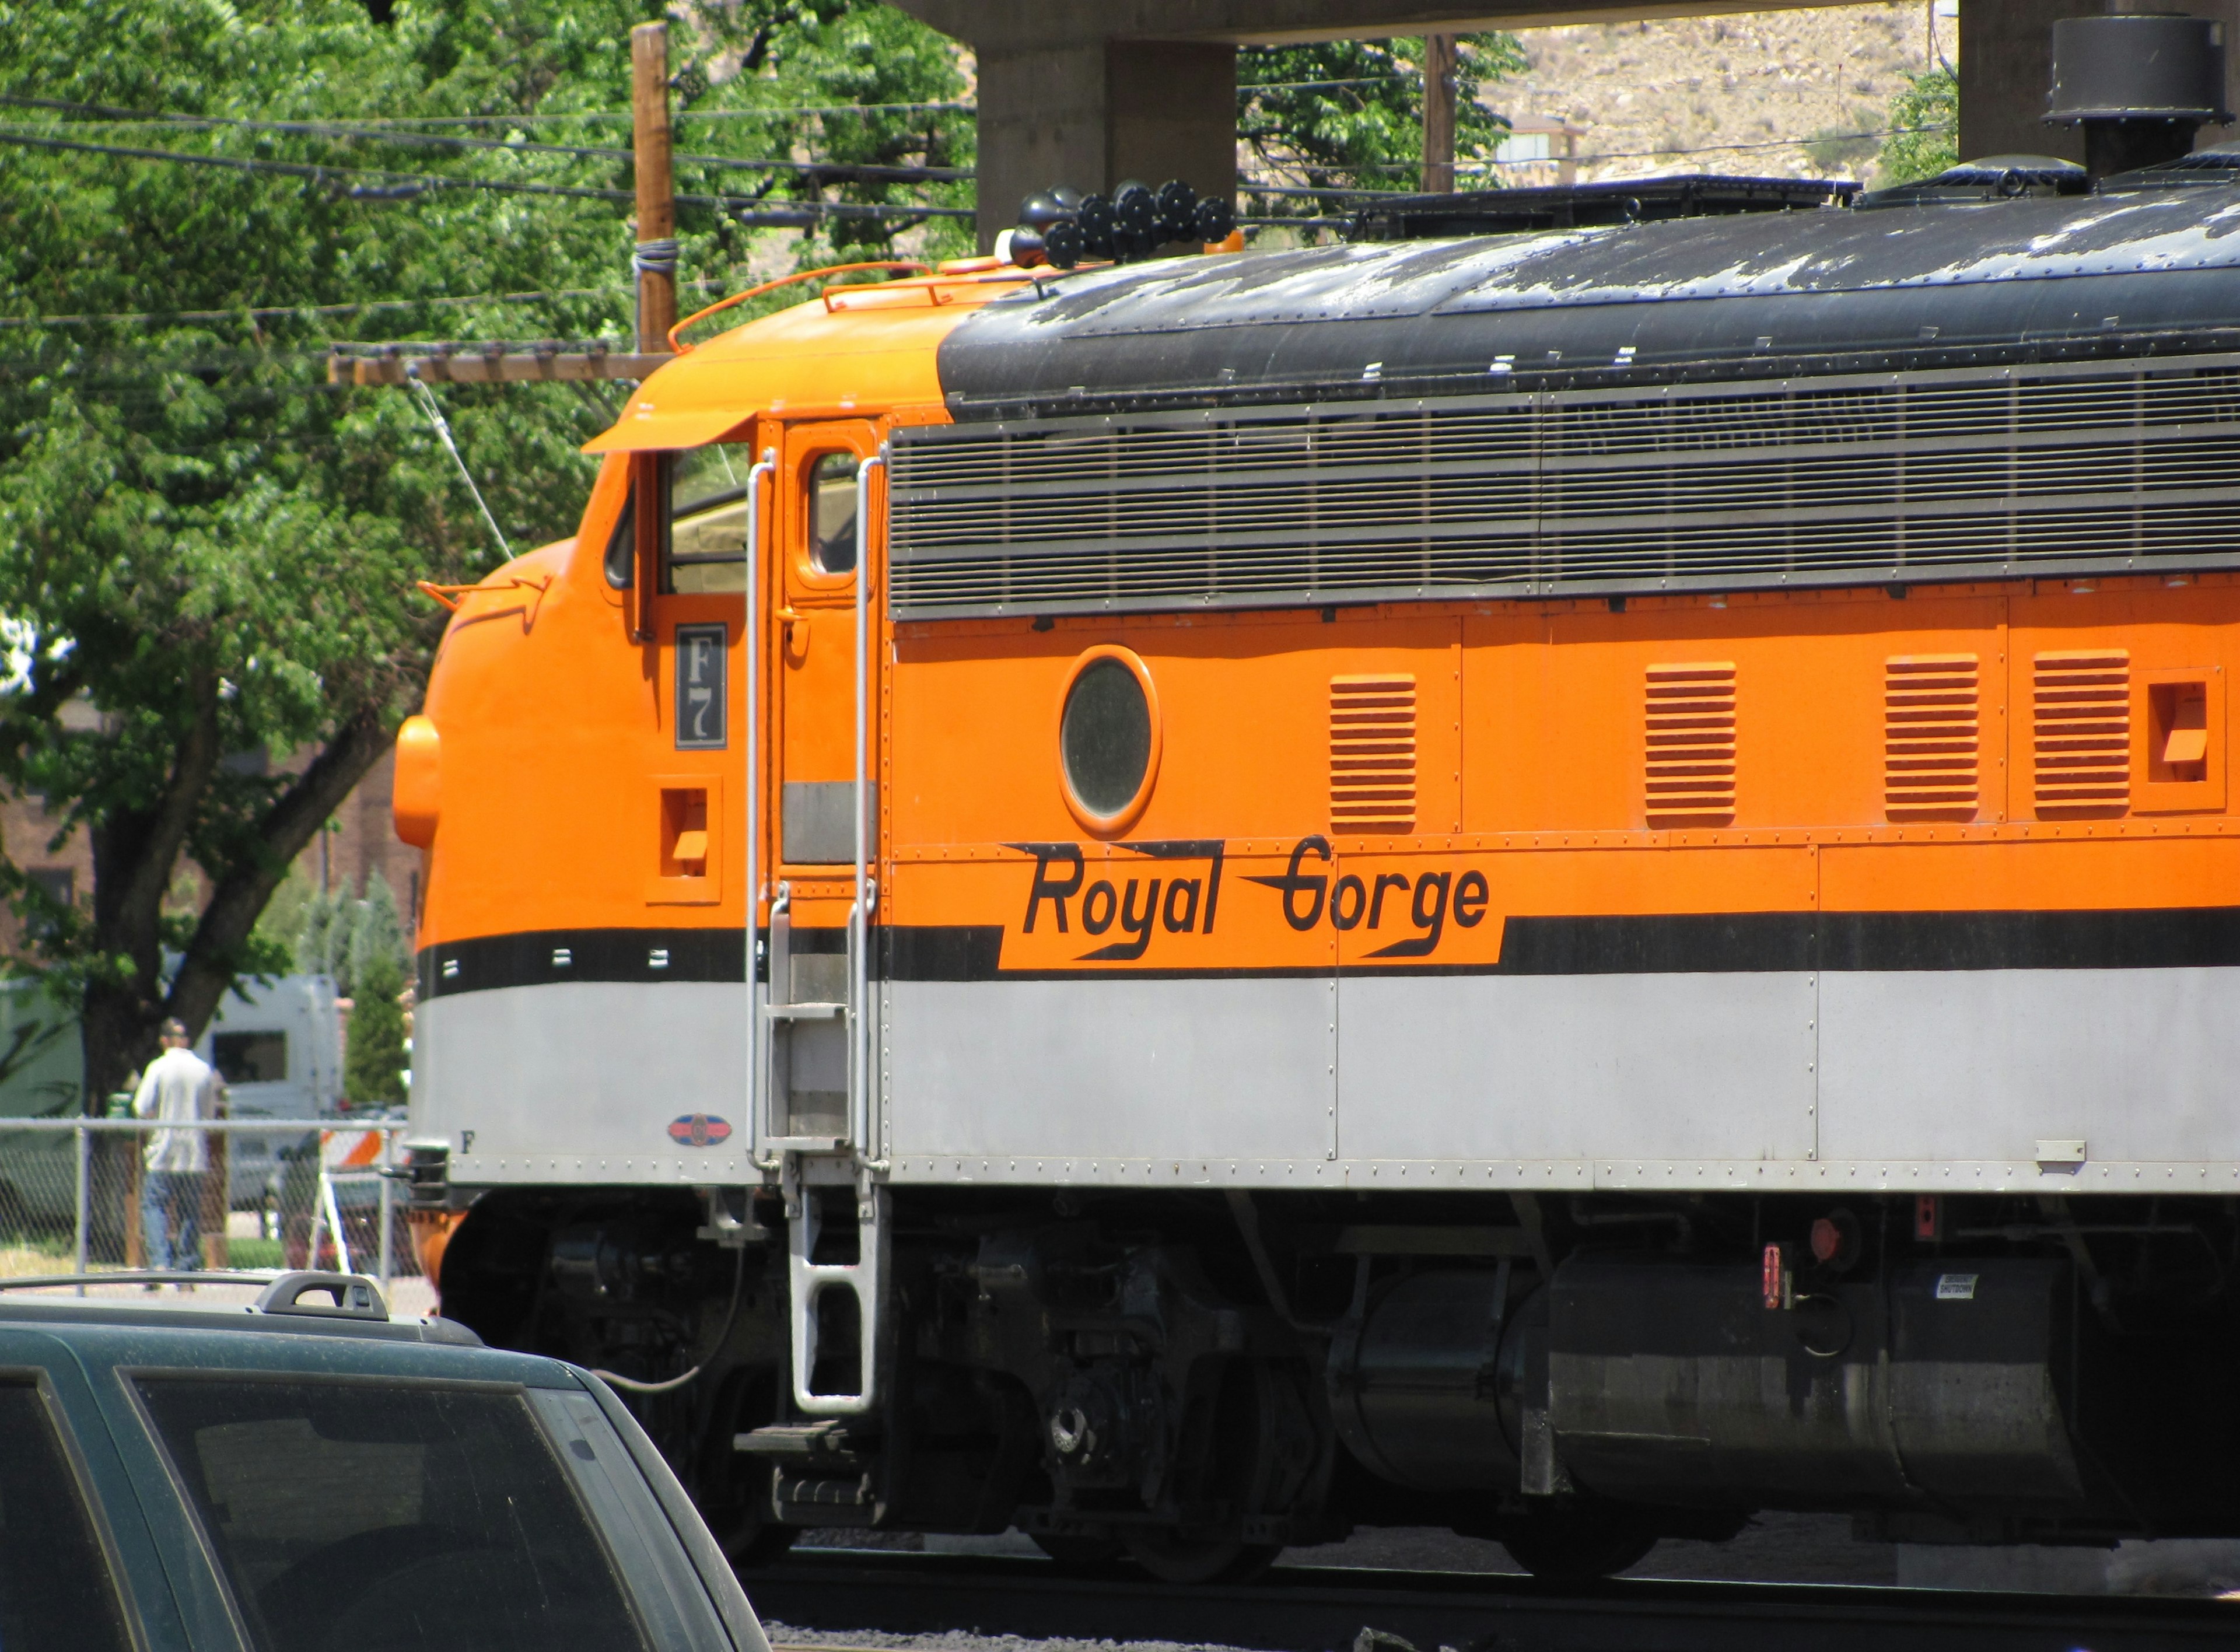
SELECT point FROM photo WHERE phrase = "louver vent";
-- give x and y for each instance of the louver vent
(1691, 744)
(1930, 737)
(1968, 473)
(1373, 754)
(2084, 732)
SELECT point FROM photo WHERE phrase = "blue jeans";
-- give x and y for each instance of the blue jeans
(159, 1191)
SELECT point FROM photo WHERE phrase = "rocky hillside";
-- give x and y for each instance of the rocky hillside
(1769, 92)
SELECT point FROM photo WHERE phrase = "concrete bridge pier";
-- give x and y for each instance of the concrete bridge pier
(1088, 92)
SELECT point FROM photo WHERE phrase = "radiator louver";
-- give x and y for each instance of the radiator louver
(1969, 472)
(1372, 754)
(2084, 732)
(1930, 737)
(1691, 744)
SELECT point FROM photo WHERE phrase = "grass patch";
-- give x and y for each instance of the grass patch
(253, 1253)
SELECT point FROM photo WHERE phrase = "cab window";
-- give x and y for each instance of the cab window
(832, 513)
(705, 552)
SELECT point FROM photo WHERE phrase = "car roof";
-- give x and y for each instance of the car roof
(272, 1332)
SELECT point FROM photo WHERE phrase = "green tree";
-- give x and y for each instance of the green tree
(196, 537)
(896, 74)
(321, 946)
(1925, 127)
(373, 1070)
(378, 932)
(208, 554)
(1348, 114)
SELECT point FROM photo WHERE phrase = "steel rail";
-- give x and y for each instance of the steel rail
(1305, 1609)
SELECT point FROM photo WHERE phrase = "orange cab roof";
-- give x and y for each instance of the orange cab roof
(871, 346)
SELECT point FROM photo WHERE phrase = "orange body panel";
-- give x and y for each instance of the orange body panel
(1532, 728)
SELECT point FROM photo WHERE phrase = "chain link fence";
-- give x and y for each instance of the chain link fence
(279, 1193)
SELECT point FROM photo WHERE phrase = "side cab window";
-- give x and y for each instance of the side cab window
(822, 462)
(831, 500)
(701, 526)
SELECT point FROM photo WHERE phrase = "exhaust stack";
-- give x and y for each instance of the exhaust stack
(2140, 83)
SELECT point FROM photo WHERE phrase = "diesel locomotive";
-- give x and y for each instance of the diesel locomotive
(1568, 881)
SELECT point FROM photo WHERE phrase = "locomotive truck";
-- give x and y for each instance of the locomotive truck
(1570, 882)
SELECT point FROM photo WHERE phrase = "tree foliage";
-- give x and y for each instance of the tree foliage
(373, 1065)
(1924, 125)
(207, 555)
(322, 945)
(377, 935)
(1348, 114)
(876, 80)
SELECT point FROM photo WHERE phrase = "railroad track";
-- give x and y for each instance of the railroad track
(1310, 1609)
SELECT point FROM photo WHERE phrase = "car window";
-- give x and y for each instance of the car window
(58, 1593)
(669, 1597)
(380, 1516)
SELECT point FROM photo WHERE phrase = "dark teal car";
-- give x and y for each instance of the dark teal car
(305, 1474)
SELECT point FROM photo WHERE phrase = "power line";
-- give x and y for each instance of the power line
(963, 108)
(276, 312)
(848, 171)
(1402, 79)
(774, 111)
(753, 211)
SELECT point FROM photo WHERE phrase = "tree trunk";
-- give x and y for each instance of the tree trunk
(136, 855)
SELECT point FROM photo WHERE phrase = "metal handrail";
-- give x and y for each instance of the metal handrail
(867, 895)
(765, 466)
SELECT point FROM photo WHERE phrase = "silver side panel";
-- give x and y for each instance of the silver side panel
(2141, 1065)
(1487, 1067)
(1110, 1068)
(1900, 1082)
(579, 1081)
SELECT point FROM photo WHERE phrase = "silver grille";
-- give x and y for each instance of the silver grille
(1972, 473)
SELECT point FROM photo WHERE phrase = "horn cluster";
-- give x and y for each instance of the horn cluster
(1062, 227)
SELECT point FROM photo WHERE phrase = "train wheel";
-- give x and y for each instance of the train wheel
(1577, 1546)
(1172, 1557)
(1082, 1556)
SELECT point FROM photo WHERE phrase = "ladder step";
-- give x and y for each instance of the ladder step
(798, 1442)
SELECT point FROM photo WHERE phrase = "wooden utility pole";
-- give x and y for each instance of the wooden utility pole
(1438, 116)
(656, 205)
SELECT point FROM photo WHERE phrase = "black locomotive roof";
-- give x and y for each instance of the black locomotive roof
(1781, 293)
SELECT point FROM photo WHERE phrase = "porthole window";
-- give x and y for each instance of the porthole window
(1109, 739)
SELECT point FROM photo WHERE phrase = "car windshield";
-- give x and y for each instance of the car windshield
(389, 1517)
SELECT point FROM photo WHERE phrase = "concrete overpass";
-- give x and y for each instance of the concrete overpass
(1089, 92)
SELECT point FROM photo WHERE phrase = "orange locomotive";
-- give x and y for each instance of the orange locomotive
(1572, 884)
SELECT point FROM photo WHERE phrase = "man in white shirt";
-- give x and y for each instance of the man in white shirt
(178, 1087)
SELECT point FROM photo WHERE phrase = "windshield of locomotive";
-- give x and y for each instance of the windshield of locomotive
(707, 549)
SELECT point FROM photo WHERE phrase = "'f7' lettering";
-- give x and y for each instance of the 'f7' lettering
(700, 703)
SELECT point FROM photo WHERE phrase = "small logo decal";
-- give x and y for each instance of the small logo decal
(1957, 1288)
(699, 1129)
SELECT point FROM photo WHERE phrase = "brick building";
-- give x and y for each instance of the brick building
(361, 840)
